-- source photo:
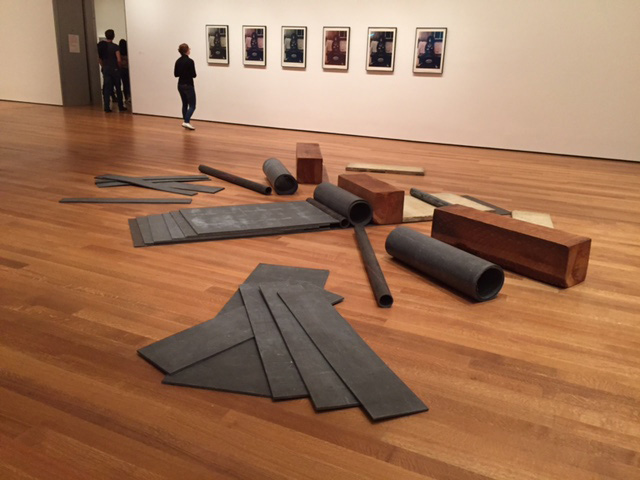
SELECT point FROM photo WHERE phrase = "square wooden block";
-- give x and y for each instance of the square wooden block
(386, 200)
(308, 163)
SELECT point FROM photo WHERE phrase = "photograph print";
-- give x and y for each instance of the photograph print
(254, 45)
(218, 44)
(294, 47)
(429, 50)
(381, 49)
(335, 55)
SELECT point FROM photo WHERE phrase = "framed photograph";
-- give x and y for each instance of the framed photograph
(428, 54)
(381, 49)
(254, 45)
(217, 44)
(294, 47)
(335, 53)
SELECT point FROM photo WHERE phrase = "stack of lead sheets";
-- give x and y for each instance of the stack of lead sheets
(279, 336)
(234, 221)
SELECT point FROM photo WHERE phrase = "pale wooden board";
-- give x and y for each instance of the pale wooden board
(543, 219)
(416, 210)
(458, 200)
(377, 168)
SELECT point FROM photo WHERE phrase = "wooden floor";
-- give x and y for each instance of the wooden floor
(539, 383)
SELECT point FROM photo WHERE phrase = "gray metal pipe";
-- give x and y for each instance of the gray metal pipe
(463, 271)
(279, 177)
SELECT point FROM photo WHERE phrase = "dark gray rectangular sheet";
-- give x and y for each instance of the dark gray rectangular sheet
(145, 230)
(146, 184)
(326, 389)
(127, 200)
(194, 344)
(380, 392)
(237, 370)
(136, 236)
(159, 229)
(283, 377)
(201, 341)
(238, 218)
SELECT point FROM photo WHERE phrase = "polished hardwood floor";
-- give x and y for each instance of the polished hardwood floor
(540, 383)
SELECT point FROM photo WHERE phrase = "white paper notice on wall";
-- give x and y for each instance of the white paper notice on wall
(74, 43)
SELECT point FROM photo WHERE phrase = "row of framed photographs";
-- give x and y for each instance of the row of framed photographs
(428, 53)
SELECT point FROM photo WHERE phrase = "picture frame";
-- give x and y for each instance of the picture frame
(294, 47)
(217, 44)
(254, 45)
(428, 52)
(335, 48)
(381, 49)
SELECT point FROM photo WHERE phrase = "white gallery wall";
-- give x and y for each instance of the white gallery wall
(29, 52)
(110, 15)
(558, 76)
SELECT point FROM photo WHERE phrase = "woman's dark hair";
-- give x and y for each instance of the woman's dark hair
(123, 46)
(183, 48)
(110, 34)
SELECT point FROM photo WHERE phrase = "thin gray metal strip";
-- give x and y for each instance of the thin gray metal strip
(326, 389)
(174, 230)
(136, 236)
(381, 393)
(126, 200)
(184, 226)
(145, 184)
(194, 188)
(498, 210)
(145, 230)
(283, 376)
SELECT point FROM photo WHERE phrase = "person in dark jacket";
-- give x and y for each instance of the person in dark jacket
(110, 62)
(185, 70)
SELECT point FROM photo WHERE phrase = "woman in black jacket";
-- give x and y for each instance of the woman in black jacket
(185, 70)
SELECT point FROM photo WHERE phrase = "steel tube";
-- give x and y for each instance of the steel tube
(456, 268)
(229, 177)
(279, 177)
(374, 272)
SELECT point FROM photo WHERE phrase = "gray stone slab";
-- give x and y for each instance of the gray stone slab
(174, 229)
(380, 392)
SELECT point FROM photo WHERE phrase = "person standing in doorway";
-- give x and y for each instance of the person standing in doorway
(110, 63)
(185, 70)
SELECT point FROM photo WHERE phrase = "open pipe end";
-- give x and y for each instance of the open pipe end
(360, 213)
(285, 185)
(489, 283)
(385, 301)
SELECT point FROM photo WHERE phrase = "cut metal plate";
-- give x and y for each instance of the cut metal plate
(237, 370)
(380, 392)
(282, 374)
(327, 390)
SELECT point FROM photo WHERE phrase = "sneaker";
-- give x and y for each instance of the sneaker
(123, 109)
(188, 126)
(108, 111)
